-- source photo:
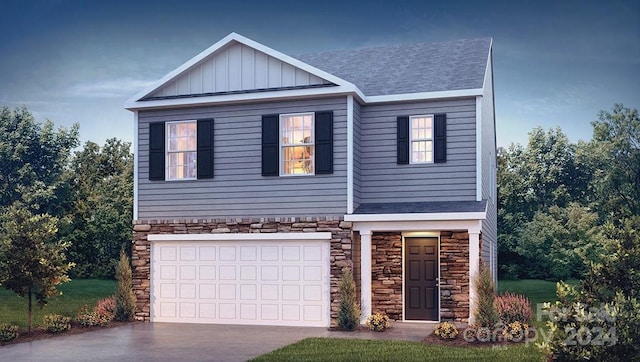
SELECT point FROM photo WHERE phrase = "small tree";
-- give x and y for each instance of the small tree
(33, 263)
(125, 299)
(349, 315)
(485, 311)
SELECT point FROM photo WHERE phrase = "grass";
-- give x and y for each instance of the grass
(78, 292)
(337, 349)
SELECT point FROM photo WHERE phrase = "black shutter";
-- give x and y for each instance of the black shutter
(270, 140)
(156, 151)
(402, 136)
(440, 139)
(324, 142)
(205, 148)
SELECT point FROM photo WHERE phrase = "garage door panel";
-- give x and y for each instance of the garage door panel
(238, 282)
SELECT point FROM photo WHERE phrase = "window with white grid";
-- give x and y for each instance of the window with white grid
(181, 150)
(421, 134)
(297, 142)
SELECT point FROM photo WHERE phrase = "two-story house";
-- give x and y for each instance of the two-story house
(260, 176)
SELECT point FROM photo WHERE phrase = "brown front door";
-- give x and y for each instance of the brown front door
(421, 279)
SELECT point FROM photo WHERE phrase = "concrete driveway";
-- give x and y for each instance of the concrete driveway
(162, 342)
(187, 342)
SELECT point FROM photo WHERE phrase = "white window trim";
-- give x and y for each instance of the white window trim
(281, 146)
(411, 162)
(166, 152)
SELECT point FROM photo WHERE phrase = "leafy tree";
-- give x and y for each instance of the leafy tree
(33, 158)
(33, 261)
(559, 243)
(615, 151)
(125, 299)
(102, 207)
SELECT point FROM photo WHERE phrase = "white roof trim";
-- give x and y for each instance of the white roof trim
(344, 87)
(449, 216)
(424, 96)
(241, 237)
(240, 97)
(133, 102)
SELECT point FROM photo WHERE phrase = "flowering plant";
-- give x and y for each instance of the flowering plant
(378, 322)
(446, 330)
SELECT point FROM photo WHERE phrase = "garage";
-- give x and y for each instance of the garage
(257, 279)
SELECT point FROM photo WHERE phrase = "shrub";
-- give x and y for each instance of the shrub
(446, 330)
(125, 300)
(513, 308)
(102, 313)
(106, 309)
(515, 332)
(485, 312)
(8, 332)
(55, 323)
(378, 322)
(349, 314)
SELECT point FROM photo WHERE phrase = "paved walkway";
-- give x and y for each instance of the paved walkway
(185, 342)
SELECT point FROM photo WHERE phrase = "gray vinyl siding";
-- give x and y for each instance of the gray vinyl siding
(489, 193)
(357, 173)
(383, 180)
(238, 189)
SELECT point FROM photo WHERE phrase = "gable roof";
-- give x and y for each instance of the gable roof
(393, 73)
(409, 68)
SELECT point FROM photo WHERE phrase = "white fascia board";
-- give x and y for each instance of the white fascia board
(250, 43)
(486, 70)
(417, 217)
(368, 227)
(424, 96)
(240, 97)
(326, 236)
(479, 148)
(349, 154)
(135, 165)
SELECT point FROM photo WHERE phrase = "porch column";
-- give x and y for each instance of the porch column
(474, 267)
(365, 275)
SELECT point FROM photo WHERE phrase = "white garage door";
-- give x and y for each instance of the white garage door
(275, 281)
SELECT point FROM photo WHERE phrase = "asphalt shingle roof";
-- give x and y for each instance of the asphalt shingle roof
(410, 68)
(421, 207)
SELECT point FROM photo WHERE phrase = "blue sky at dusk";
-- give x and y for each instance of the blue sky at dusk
(556, 63)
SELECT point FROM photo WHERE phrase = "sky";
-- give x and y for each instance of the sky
(556, 63)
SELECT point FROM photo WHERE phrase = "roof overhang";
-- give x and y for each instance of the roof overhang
(342, 87)
(451, 216)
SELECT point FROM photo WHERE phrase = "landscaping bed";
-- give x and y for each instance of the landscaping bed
(38, 333)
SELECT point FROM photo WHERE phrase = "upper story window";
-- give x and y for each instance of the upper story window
(421, 133)
(297, 144)
(181, 150)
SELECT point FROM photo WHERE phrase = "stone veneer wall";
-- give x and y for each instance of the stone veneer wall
(454, 276)
(386, 275)
(340, 247)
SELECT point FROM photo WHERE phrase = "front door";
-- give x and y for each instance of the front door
(421, 290)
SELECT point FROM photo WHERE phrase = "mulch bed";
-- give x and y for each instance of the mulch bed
(39, 333)
(459, 341)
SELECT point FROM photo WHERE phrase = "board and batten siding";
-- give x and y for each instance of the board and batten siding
(383, 180)
(238, 189)
(357, 136)
(237, 67)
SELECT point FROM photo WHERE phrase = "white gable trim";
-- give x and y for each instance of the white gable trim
(135, 103)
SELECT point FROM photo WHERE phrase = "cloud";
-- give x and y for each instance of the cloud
(114, 88)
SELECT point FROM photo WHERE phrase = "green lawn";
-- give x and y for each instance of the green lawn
(75, 294)
(337, 349)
